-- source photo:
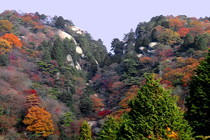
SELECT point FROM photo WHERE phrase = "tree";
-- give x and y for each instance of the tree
(5, 26)
(60, 22)
(188, 42)
(85, 131)
(13, 40)
(183, 32)
(39, 121)
(117, 48)
(4, 46)
(57, 52)
(198, 101)
(169, 37)
(4, 60)
(154, 115)
(109, 130)
(200, 42)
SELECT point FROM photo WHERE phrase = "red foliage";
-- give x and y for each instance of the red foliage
(183, 32)
(104, 112)
(176, 24)
(30, 91)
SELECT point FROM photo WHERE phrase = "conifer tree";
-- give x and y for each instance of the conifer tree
(154, 115)
(39, 121)
(198, 101)
(109, 130)
(85, 131)
(57, 52)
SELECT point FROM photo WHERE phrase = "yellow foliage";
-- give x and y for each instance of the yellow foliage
(39, 121)
(5, 26)
(171, 134)
(4, 46)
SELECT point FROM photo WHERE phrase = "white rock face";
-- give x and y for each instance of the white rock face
(96, 62)
(58, 75)
(77, 30)
(142, 48)
(69, 58)
(78, 67)
(152, 44)
(79, 50)
(139, 55)
(64, 35)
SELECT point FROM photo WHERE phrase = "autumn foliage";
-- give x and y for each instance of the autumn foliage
(39, 121)
(5, 26)
(4, 46)
(12, 39)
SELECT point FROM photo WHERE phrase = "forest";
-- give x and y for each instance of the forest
(58, 83)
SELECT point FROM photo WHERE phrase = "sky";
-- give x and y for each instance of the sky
(109, 19)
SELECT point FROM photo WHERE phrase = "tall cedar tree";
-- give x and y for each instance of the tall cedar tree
(109, 130)
(85, 131)
(198, 101)
(154, 115)
(57, 52)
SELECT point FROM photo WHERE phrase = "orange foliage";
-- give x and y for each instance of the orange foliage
(39, 121)
(145, 60)
(183, 73)
(4, 46)
(5, 26)
(176, 24)
(171, 134)
(183, 32)
(33, 100)
(13, 40)
(130, 94)
(97, 102)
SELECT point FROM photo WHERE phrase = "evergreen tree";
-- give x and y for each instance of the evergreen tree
(60, 22)
(200, 42)
(85, 131)
(198, 102)
(109, 130)
(57, 52)
(154, 115)
(188, 42)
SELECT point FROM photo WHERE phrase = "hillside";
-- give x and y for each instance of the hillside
(51, 67)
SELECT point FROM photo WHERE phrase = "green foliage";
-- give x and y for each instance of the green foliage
(58, 52)
(188, 42)
(86, 105)
(169, 37)
(85, 131)
(60, 23)
(68, 118)
(70, 48)
(198, 101)
(117, 48)
(109, 130)
(4, 60)
(200, 42)
(154, 115)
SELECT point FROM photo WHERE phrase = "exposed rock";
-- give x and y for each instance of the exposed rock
(139, 55)
(78, 67)
(64, 35)
(79, 50)
(77, 30)
(58, 75)
(69, 58)
(142, 48)
(152, 44)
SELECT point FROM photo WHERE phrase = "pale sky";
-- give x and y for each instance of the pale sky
(108, 19)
